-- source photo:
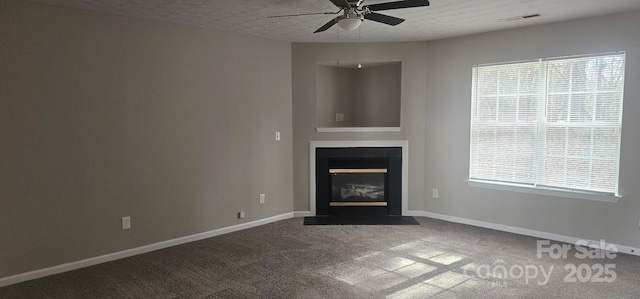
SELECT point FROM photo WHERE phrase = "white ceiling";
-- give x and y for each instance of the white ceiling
(444, 18)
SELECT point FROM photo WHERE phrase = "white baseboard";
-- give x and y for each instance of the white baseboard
(522, 231)
(413, 213)
(298, 214)
(5, 281)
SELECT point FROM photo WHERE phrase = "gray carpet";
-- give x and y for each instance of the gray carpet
(285, 259)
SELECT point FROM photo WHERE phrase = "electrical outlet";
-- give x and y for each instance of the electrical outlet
(126, 222)
(262, 198)
(241, 215)
(277, 136)
(434, 193)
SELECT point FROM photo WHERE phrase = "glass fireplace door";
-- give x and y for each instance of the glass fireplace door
(358, 187)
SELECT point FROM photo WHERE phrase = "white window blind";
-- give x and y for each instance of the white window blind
(549, 123)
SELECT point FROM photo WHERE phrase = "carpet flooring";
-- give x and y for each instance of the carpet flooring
(286, 259)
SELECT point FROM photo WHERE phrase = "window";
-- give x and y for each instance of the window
(549, 124)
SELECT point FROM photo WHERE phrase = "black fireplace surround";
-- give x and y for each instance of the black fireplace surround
(380, 166)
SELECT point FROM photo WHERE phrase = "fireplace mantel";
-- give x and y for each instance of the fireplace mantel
(313, 145)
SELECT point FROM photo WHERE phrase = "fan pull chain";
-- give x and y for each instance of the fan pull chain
(359, 48)
(338, 42)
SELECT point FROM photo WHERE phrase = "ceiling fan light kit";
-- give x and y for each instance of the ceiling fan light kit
(350, 22)
(354, 13)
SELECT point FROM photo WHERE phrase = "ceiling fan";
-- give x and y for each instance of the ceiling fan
(353, 13)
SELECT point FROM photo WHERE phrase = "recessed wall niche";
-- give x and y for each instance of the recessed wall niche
(349, 98)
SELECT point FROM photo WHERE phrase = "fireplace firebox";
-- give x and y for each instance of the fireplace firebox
(359, 181)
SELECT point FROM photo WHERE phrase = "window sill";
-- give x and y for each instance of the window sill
(545, 191)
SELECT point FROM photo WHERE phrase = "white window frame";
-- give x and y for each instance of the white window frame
(545, 190)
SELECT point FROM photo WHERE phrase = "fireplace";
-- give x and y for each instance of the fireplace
(359, 181)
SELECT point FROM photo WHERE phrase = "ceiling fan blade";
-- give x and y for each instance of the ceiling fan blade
(326, 26)
(398, 5)
(305, 14)
(389, 20)
(341, 3)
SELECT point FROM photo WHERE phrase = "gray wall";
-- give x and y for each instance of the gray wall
(413, 92)
(378, 97)
(448, 111)
(335, 94)
(368, 97)
(103, 117)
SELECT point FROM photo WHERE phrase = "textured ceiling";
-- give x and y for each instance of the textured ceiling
(444, 18)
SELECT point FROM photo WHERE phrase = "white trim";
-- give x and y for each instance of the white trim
(359, 143)
(5, 281)
(414, 213)
(357, 129)
(298, 214)
(544, 191)
(523, 231)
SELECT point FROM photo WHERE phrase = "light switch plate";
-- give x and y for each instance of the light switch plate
(126, 222)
